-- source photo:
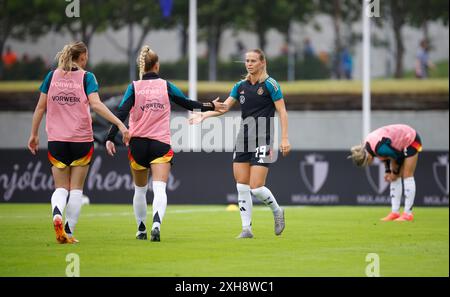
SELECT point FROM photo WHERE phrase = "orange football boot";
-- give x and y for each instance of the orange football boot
(391, 217)
(61, 235)
(406, 217)
(72, 240)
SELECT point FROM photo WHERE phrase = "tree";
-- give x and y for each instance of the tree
(398, 10)
(95, 16)
(416, 14)
(143, 14)
(181, 18)
(420, 13)
(289, 12)
(341, 11)
(214, 17)
(21, 19)
(257, 16)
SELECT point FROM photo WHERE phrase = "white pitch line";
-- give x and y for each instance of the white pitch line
(124, 214)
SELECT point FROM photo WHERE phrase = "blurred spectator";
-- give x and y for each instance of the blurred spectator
(308, 51)
(240, 49)
(284, 49)
(25, 58)
(324, 57)
(9, 58)
(423, 62)
(346, 64)
(342, 64)
(336, 65)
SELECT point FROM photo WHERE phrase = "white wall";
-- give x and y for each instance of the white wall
(307, 130)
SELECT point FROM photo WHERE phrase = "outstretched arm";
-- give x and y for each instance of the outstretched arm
(224, 107)
(177, 96)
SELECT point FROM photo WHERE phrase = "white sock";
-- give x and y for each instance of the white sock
(140, 207)
(59, 200)
(265, 195)
(73, 210)
(159, 203)
(245, 205)
(396, 194)
(410, 193)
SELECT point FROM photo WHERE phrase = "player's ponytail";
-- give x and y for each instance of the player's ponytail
(359, 155)
(70, 53)
(146, 61)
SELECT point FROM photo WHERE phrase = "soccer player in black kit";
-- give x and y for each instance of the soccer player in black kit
(259, 96)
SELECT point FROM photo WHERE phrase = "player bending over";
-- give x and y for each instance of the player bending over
(398, 146)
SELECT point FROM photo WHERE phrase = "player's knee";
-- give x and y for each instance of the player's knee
(242, 180)
(256, 185)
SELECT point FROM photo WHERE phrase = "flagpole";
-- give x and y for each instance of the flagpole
(193, 66)
(366, 100)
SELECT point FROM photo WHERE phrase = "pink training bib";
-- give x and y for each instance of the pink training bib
(150, 115)
(68, 113)
(401, 136)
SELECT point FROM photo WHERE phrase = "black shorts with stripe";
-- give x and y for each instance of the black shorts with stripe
(143, 151)
(62, 153)
(414, 147)
(262, 156)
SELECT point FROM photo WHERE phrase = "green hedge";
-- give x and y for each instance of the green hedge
(109, 74)
(34, 69)
(312, 68)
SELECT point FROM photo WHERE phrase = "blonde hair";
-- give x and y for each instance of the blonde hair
(147, 60)
(70, 53)
(262, 57)
(359, 155)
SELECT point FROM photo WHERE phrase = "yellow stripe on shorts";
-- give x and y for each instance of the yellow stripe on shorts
(136, 166)
(164, 159)
(84, 160)
(55, 162)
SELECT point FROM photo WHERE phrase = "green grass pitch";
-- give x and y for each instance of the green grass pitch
(200, 241)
